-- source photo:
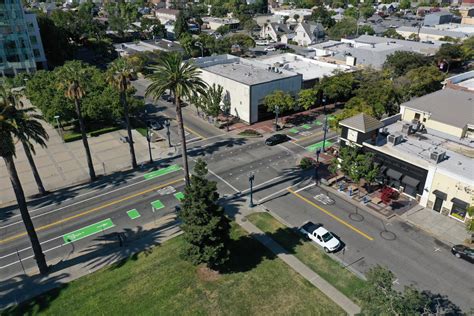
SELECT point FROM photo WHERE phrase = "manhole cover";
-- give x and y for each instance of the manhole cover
(388, 235)
(356, 217)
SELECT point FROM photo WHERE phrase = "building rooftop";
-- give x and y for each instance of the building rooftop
(220, 20)
(449, 106)
(148, 46)
(434, 31)
(248, 72)
(167, 11)
(362, 122)
(417, 149)
(310, 69)
(464, 80)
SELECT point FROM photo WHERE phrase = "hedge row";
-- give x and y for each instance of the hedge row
(76, 136)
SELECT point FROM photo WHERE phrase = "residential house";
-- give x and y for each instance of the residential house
(274, 31)
(165, 15)
(308, 33)
(437, 18)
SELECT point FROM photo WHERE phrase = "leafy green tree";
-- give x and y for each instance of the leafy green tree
(206, 228)
(119, 74)
(391, 33)
(450, 53)
(283, 100)
(414, 37)
(307, 98)
(182, 78)
(339, 87)
(321, 14)
(419, 81)
(180, 26)
(400, 62)
(470, 222)
(73, 76)
(152, 28)
(353, 107)
(467, 48)
(344, 28)
(223, 29)
(351, 12)
(405, 4)
(380, 94)
(10, 116)
(57, 47)
(366, 11)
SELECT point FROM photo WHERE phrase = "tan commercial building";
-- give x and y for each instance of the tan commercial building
(426, 151)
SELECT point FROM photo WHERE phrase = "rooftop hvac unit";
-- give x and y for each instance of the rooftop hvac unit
(406, 128)
(394, 139)
(438, 156)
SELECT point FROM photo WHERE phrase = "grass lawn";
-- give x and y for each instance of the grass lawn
(159, 282)
(344, 280)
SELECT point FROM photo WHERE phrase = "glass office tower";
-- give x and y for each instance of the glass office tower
(16, 53)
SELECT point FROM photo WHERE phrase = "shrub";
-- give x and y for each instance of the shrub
(250, 133)
(71, 137)
(103, 131)
(307, 162)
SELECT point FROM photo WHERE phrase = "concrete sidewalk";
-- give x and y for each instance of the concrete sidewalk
(447, 230)
(332, 293)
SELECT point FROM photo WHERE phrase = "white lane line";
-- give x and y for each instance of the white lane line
(277, 192)
(223, 180)
(69, 205)
(24, 249)
(30, 257)
(304, 188)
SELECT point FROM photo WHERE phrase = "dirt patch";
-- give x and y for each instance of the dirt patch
(207, 275)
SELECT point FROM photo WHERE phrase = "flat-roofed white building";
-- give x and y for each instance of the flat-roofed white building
(312, 70)
(247, 82)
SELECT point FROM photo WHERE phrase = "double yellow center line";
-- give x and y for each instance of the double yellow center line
(340, 220)
(95, 209)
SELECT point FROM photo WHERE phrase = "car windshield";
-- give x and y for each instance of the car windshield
(327, 237)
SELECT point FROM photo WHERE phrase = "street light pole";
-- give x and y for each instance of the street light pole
(167, 124)
(148, 138)
(325, 126)
(277, 111)
(251, 179)
(57, 126)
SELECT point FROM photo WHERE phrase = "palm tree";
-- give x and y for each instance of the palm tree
(31, 129)
(182, 79)
(119, 74)
(72, 79)
(10, 116)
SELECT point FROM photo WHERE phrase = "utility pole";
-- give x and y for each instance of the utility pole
(316, 169)
(251, 179)
(325, 126)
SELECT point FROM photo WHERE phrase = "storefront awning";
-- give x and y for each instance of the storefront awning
(410, 181)
(460, 203)
(440, 194)
(393, 174)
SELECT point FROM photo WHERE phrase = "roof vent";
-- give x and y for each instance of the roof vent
(438, 156)
(394, 139)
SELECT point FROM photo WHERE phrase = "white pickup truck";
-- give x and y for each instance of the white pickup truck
(320, 235)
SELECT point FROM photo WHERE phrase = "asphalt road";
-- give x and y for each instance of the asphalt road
(415, 257)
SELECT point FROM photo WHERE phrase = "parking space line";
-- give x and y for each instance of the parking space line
(340, 220)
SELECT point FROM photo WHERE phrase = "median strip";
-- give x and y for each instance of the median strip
(88, 231)
(161, 172)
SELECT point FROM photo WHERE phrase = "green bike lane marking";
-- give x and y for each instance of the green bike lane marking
(179, 196)
(313, 147)
(161, 172)
(156, 205)
(318, 123)
(133, 214)
(293, 130)
(306, 126)
(88, 231)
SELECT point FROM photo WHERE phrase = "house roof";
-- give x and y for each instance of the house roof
(311, 28)
(280, 28)
(449, 106)
(362, 123)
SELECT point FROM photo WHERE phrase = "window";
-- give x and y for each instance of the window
(417, 116)
(37, 53)
(33, 40)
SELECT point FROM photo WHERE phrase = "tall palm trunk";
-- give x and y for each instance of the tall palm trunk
(123, 99)
(84, 140)
(30, 229)
(179, 118)
(36, 175)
